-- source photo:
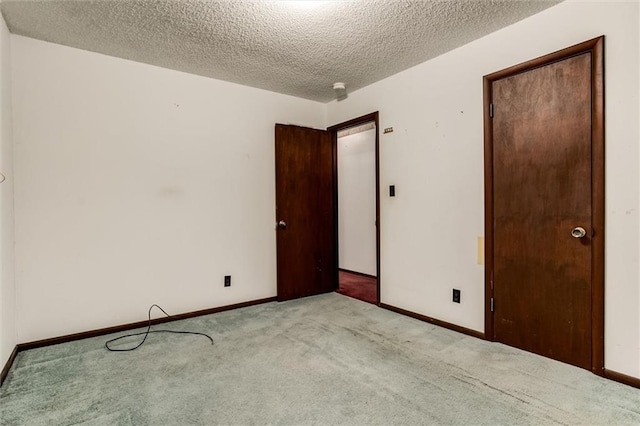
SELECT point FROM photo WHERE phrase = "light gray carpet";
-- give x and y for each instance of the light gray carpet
(327, 359)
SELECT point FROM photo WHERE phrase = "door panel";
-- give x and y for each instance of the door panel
(304, 201)
(541, 191)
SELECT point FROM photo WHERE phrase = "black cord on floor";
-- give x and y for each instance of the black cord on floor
(146, 334)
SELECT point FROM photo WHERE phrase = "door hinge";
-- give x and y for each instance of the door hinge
(492, 306)
(491, 110)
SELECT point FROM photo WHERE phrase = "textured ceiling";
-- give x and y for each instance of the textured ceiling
(292, 47)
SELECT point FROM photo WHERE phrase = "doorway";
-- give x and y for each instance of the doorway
(357, 276)
(306, 226)
(356, 175)
(544, 206)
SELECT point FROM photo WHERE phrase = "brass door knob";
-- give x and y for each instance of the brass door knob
(578, 232)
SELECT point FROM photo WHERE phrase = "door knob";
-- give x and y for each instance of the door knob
(578, 232)
(282, 224)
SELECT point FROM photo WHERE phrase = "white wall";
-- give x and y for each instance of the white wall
(137, 185)
(357, 202)
(8, 338)
(435, 159)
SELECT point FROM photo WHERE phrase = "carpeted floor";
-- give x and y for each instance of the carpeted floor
(327, 359)
(361, 287)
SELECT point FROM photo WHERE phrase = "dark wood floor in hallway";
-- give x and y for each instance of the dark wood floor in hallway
(358, 286)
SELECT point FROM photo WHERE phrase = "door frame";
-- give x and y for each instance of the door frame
(372, 117)
(596, 48)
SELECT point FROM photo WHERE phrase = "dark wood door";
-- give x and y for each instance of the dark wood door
(542, 200)
(304, 212)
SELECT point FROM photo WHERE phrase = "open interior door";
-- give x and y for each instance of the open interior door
(305, 213)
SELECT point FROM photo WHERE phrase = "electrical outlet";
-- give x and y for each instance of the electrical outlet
(456, 295)
(227, 280)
